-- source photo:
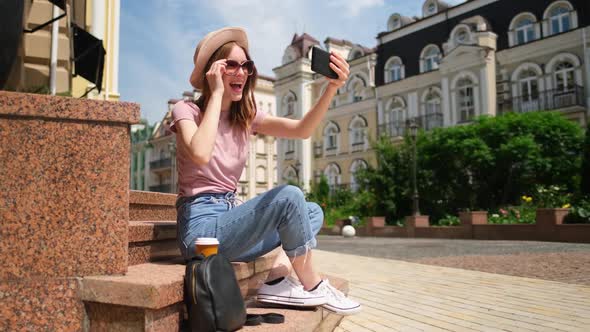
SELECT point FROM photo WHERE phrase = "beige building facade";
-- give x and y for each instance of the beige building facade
(439, 70)
(31, 71)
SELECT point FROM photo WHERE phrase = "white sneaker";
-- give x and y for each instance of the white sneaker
(289, 292)
(337, 301)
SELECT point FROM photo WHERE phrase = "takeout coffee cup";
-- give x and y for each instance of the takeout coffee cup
(207, 246)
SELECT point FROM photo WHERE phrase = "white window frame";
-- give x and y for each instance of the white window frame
(333, 174)
(394, 65)
(430, 59)
(571, 14)
(289, 103)
(331, 135)
(561, 75)
(396, 113)
(466, 108)
(358, 134)
(356, 165)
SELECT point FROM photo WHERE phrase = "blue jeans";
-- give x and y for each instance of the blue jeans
(280, 216)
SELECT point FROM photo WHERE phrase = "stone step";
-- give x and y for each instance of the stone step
(306, 320)
(150, 296)
(152, 241)
(145, 205)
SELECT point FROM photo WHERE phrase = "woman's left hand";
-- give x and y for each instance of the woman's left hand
(341, 67)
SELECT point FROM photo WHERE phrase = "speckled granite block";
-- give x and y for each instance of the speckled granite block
(107, 318)
(64, 194)
(144, 205)
(40, 305)
(64, 204)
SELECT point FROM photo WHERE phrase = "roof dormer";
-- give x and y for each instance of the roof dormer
(397, 21)
(431, 7)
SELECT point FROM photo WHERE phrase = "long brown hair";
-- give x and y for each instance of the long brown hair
(241, 112)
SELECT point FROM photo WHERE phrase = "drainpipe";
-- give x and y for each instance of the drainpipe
(587, 67)
(53, 56)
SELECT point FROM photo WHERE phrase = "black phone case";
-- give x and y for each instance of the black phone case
(320, 63)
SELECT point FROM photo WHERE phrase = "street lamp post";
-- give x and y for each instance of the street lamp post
(415, 197)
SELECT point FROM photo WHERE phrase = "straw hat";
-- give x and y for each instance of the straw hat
(209, 44)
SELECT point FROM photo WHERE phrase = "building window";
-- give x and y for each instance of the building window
(290, 175)
(289, 102)
(461, 36)
(430, 58)
(331, 132)
(394, 70)
(394, 119)
(564, 77)
(357, 131)
(260, 174)
(559, 19)
(465, 99)
(529, 85)
(525, 31)
(433, 113)
(357, 88)
(332, 173)
(430, 9)
(356, 166)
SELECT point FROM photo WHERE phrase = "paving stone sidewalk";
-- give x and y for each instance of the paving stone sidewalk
(405, 296)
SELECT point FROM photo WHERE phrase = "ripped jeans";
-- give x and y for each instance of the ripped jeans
(280, 216)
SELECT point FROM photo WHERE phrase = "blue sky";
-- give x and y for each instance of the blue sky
(158, 38)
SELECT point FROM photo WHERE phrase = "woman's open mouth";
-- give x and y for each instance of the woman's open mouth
(236, 87)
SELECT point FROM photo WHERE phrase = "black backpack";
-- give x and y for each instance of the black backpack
(213, 298)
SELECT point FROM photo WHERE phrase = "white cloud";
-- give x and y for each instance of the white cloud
(352, 8)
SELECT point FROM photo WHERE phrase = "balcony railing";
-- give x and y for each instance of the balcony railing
(161, 188)
(392, 129)
(545, 101)
(398, 128)
(357, 146)
(429, 121)
(162, 163)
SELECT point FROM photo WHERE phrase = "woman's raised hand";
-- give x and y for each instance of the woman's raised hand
(215, 76)
(341, 67)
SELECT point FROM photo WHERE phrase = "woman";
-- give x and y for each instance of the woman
(212, 148)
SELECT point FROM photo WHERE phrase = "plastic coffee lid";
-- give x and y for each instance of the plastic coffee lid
(207, 241)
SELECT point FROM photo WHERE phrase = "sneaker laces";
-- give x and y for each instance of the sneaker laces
(333, 292)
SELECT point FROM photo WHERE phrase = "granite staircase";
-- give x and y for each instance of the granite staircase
(149, 296)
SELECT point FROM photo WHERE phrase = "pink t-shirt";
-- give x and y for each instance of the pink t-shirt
(227, 161)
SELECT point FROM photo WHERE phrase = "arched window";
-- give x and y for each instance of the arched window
(332, 173)
(564, 76)
(525, 30)
(528, 85)
(260, 174)
(433, 112)
(289, 103)
(429, 8)
(356, 166)
(358, 132)
(356, 88)
(394, 22)
(559, 17)
(394, 70)
(290, 175)
(465, 99)
(394, 118)
(462, 36)
(430, 58)
(331, 139)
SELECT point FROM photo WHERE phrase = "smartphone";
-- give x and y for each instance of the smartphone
(320, 63)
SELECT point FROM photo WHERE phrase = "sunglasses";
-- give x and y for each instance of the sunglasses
(232, 67)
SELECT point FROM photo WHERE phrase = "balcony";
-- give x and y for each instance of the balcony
(392, 129)
(545, 101)
(161, 188)
(398, 128)
(429, 121)
(160, 164)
